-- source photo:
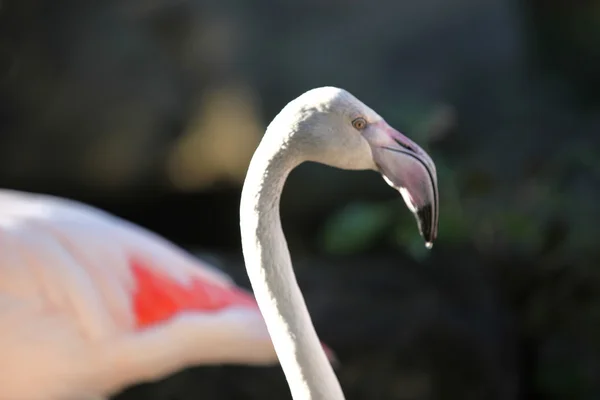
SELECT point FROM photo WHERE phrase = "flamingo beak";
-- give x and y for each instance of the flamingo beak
(409, 169)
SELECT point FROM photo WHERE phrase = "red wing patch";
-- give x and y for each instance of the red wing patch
(159, 297)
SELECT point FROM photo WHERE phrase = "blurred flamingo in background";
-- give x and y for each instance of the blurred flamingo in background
(91, 304)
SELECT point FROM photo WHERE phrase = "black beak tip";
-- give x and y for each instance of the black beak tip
(424, 217)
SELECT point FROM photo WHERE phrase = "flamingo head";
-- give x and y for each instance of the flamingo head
(331, 126)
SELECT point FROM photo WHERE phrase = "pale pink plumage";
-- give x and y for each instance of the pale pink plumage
(70, 287)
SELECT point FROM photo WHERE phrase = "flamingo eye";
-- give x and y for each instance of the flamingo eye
(359, 123)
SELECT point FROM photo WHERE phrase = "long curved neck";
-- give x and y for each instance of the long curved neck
(308, 372)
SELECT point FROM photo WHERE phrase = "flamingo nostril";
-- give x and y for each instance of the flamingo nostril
(405, 145)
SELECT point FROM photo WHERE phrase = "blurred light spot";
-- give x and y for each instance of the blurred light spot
(219, 141)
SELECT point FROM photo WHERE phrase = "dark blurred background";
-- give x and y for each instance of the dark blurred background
(151, 109)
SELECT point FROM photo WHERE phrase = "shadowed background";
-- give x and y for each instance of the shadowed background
(151, 109)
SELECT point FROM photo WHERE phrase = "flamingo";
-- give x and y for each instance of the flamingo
(330, 126)
(91, 304)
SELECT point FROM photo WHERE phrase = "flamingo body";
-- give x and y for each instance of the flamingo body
(91, 303)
